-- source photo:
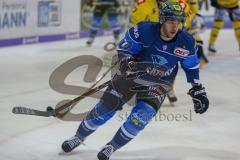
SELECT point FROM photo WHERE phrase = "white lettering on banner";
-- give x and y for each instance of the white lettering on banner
(30, 18)
(13, 14)
(30, 40)
(8, 5)
(13, 20)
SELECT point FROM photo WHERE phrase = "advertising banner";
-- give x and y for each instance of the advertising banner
(36, 20)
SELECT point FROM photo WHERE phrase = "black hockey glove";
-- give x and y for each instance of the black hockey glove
(126, 63)
(199, 97)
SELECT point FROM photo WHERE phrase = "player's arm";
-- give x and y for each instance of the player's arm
(129, 47)
(139, 13)
(194, 8)
(197, 92)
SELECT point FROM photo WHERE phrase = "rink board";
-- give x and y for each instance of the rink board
(28, 22)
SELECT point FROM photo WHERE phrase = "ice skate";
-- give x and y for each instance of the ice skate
(211, 50)
(106, 152)
(71, 144)
(90, 42)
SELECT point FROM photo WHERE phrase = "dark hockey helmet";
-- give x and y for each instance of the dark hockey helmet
(171, 11)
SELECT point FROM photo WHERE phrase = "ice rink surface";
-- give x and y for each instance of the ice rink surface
(25, 72)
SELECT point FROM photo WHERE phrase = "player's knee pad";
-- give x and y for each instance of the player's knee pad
(140, 116)
(99, 115)
(218, 24)
(113, 99)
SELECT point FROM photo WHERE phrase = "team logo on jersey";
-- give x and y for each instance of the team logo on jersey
(135, 122)
(159, 60)
(138, 120)
(125, 44)
(181, 52)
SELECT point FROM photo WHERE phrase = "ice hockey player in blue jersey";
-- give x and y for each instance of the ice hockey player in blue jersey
(100, 8)
(148, 58)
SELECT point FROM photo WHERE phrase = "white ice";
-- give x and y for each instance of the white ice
(25, 72)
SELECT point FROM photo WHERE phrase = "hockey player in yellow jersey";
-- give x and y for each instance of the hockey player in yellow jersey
(144, 10)
(228, 3)
(147, 10)
(224, 8)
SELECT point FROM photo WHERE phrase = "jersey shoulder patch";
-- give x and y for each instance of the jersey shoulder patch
(187, 38)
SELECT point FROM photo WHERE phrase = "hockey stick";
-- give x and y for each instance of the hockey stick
(66, 107)
(56, 112)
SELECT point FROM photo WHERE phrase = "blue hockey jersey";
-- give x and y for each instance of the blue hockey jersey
(144, 42)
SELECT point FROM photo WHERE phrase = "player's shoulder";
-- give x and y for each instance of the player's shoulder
(148, 24)
(144, 32)
(148, 29)
(187, 44)
(185, 37)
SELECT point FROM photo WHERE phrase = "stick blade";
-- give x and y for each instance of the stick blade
(29, 111)
(22, 110)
